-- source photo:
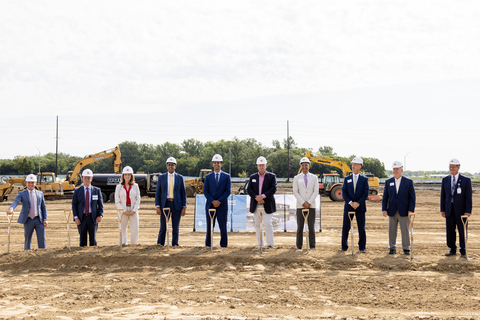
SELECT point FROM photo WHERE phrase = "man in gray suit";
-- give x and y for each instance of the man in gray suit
(34, 213)
(398, 201)
(305, 190)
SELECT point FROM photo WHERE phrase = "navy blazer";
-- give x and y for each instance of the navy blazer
(403, 201)
(219, 192)
(179, 194)
(96, 203)
(24, 198)
(360, 195)
(269, 188)
(462, 202)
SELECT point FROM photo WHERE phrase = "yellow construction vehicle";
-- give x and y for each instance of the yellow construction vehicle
(73, 178)
(7, 186)
(48, 184)
(195, 186)
(332, 186)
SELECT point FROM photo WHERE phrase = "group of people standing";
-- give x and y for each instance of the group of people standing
(398, 202)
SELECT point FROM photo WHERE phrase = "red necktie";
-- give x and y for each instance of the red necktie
(87, 202)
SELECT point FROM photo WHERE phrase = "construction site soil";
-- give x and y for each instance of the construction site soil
(147, 281)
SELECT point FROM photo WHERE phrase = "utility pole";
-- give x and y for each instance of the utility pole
(56, 154)
(288, 153)
(39, 155)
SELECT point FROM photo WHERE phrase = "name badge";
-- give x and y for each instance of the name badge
(459, 190)
(392, 184)
(254, 180)
(349, 180)
(95, 197)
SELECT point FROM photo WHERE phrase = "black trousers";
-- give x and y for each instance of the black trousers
(88, 227)
(453, 221)
(301, 226)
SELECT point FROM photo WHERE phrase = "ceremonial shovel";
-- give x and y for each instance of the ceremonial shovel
(350, 216)
(305, 213)
(465, 232)
(260, 213)
(9, 217)
(210, 211)
(166, 213)
(120, 215)
(67, 216)
(411, 217)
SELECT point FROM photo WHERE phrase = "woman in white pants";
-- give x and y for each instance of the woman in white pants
(127, 197)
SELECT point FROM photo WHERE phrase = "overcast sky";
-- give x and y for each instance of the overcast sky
(372, 78)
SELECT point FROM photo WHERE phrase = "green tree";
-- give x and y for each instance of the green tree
(23, 164)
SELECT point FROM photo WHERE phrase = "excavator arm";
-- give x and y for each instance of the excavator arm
(318, 158)
(74, 177)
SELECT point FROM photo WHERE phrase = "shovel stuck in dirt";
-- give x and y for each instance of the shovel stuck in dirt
(67, 214)
(211, 213)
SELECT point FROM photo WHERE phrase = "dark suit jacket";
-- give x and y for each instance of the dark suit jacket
(462, 202)
(179, 194)
(269, 188)
(96, 203)
(214, 191)
(24, 198)
(360, 195)
(403, 201)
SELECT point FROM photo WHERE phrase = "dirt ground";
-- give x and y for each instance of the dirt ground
(147, 281)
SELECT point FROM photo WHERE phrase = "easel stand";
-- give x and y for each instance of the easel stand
(211, 213)
(166, 213)
(465, 233)
(68, 214)
(411, 217)
(350, 216)
(120, 215)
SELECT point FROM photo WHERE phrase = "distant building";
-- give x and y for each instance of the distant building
(433, 176)
(476, 175)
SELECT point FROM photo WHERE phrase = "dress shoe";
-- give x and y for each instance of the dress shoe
(464, 256)
(363, 251)
(406, 251)
(344, 249)
(392, 251)
(270, 247)
(450, 253)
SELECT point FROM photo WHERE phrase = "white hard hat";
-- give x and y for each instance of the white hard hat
(87, 173)
(127, 169)
(357, 160)
(171, 160)
(304, 159)
(454, 161)
(261, 160)
(217, 157)
(397, 164)
(31, 178)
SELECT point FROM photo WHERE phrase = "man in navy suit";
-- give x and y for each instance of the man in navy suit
(171, 194)
(355, 192)
(455, 201)
(217, 189)
(398, 201)
(87, 208)
(261, 189)
(34, 213)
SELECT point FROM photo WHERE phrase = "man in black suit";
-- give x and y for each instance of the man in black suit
(261, 189)
(87, 207)
(355, 191)
(455, 201)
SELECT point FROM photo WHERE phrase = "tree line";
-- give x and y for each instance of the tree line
(193, 155)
